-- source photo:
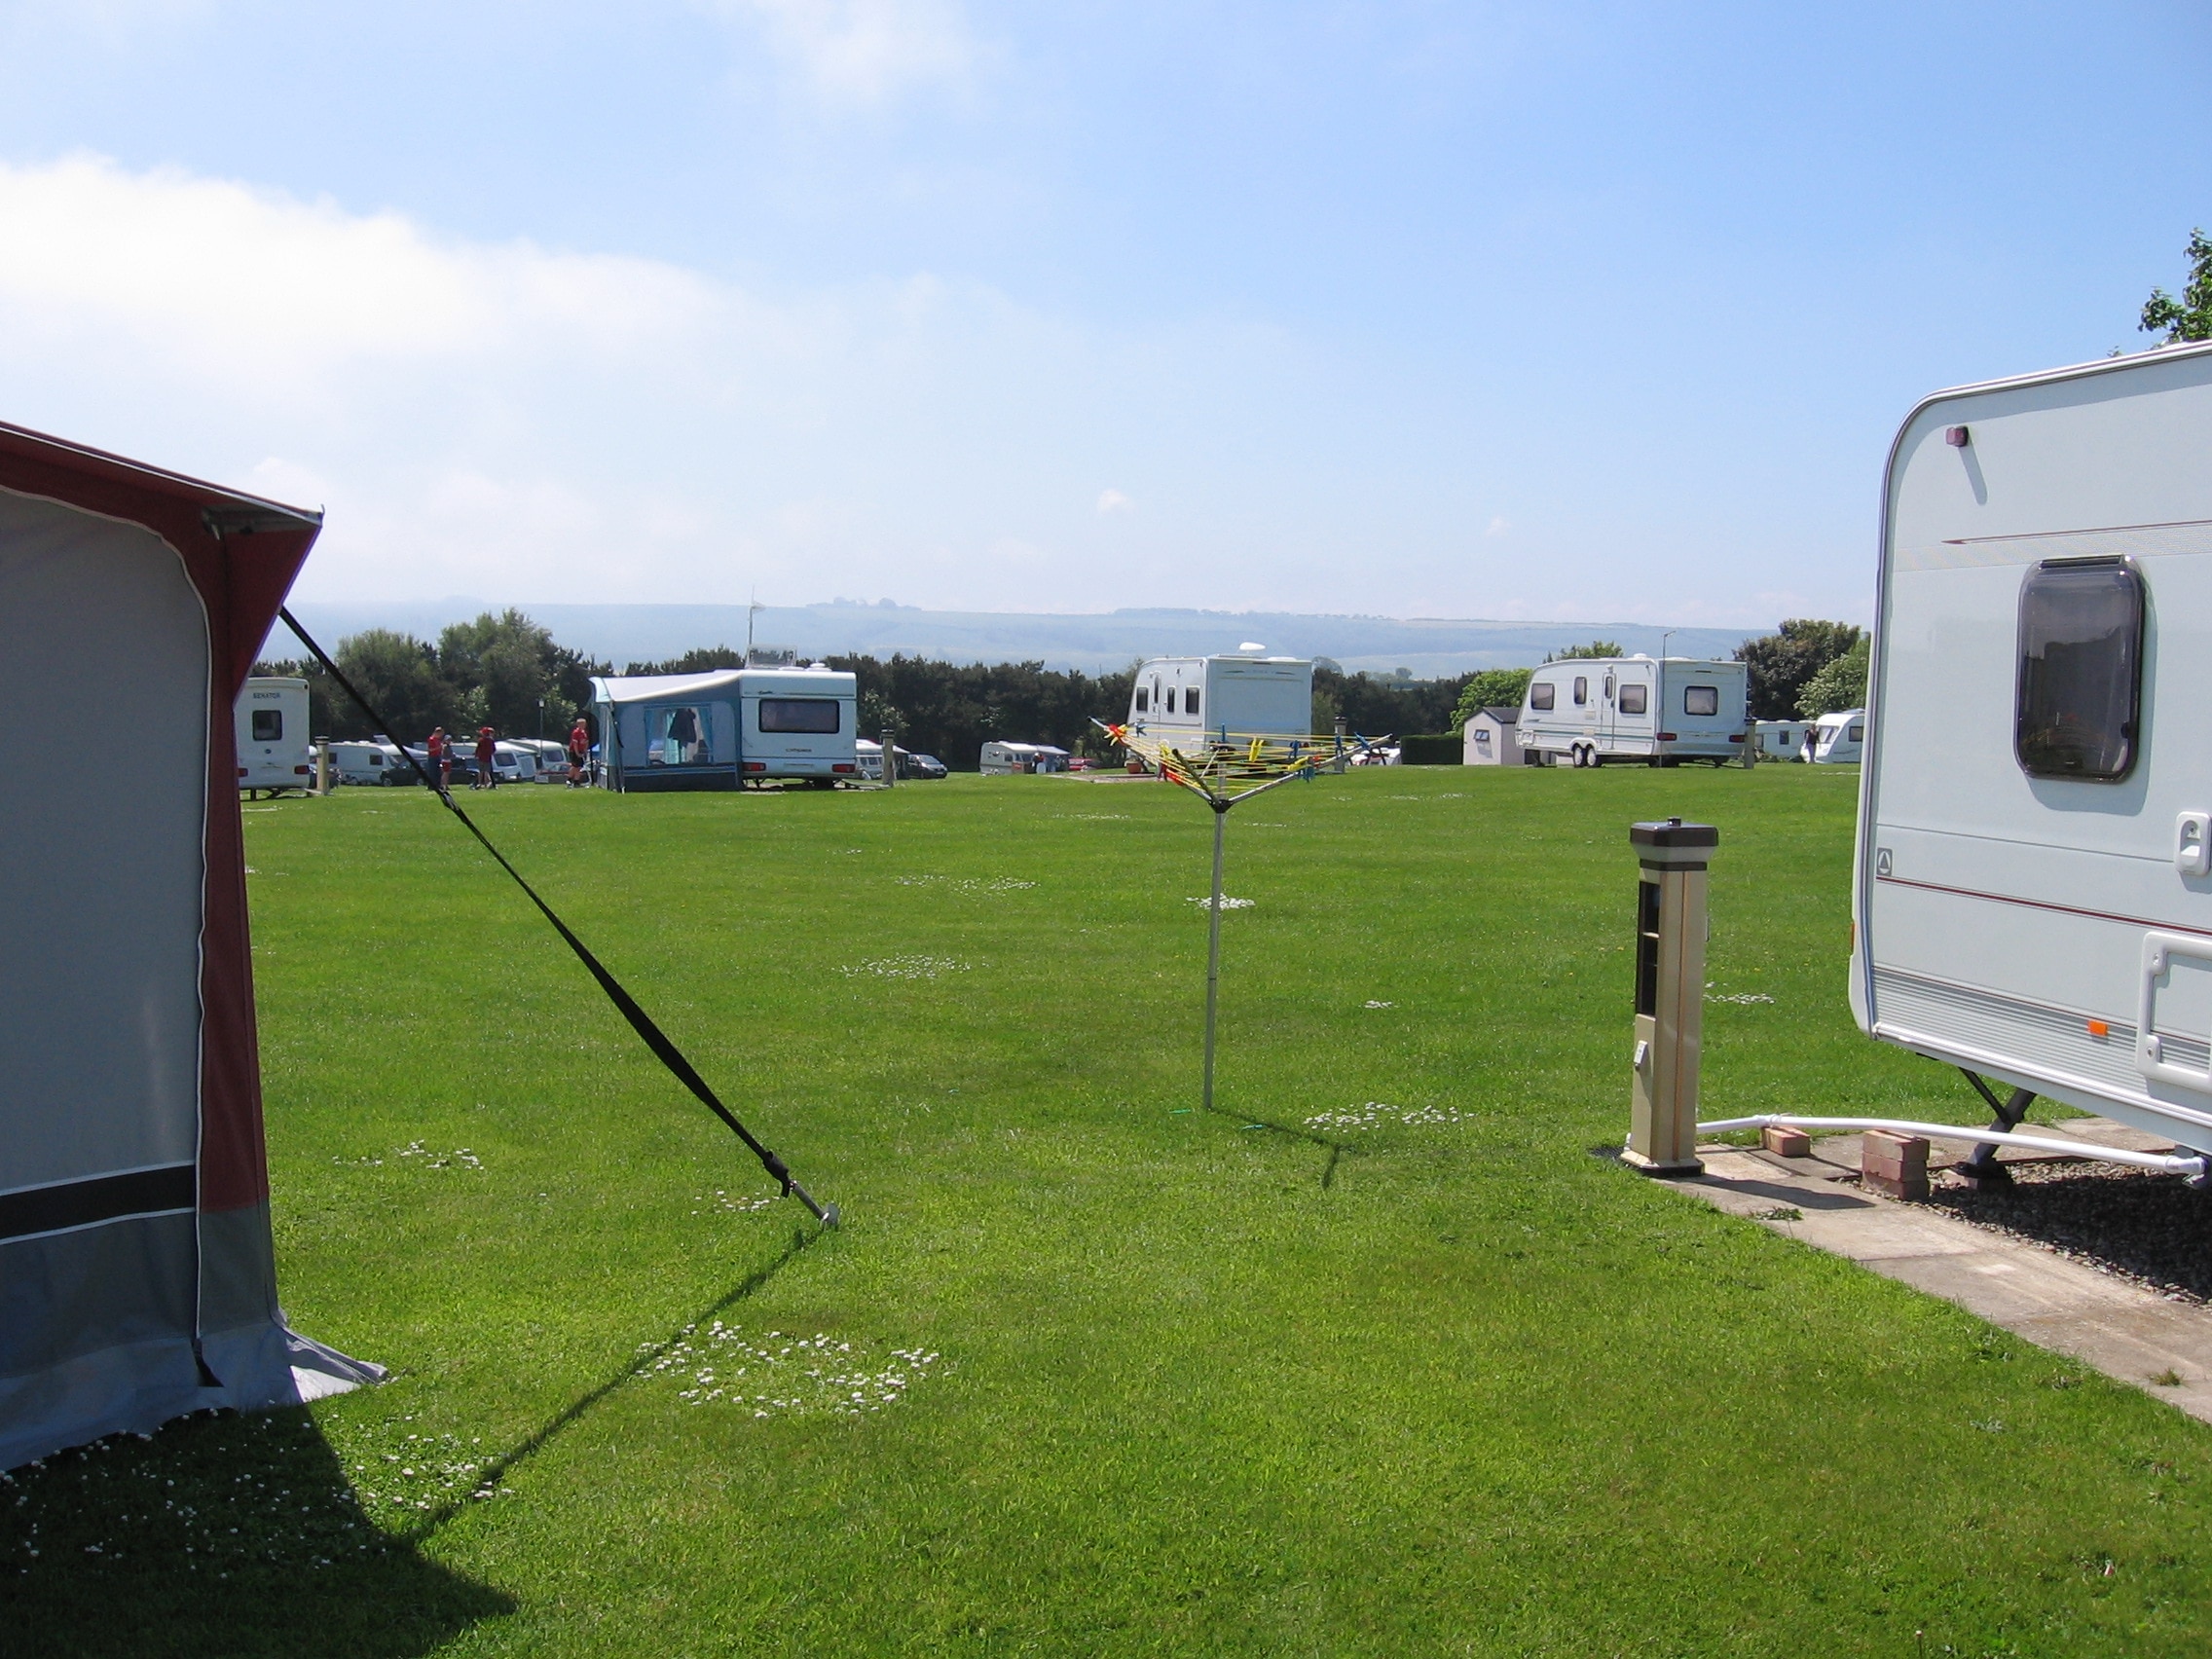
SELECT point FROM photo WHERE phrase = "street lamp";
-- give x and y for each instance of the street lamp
(542, 719)
(1663, 639)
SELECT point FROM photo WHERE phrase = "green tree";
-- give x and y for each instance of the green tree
(1595, 649)
(1841, 683)
(1781, 664)
(2189, 318)
(398, 674)
(502, 667)
(1490, 688)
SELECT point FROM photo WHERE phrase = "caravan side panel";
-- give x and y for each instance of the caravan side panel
(2010, 922)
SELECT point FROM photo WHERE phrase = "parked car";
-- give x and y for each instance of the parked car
(913, 765)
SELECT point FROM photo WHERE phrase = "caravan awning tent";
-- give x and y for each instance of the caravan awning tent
(138, 1281)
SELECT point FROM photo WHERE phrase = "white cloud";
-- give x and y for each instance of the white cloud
(1114, 502)
(1498, 525)
(866, 50)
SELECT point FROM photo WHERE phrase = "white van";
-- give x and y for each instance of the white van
(1838, 739)
(272, 724)
(2031, 893)
(1654, 712)
(359, 762)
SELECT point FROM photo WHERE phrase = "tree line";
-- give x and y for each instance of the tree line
(509, 673)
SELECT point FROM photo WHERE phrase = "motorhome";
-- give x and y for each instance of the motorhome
(273, 750)
(1656, 712)
(2032, 895)
(1779, 740)
(725, 729)
(1838, 739)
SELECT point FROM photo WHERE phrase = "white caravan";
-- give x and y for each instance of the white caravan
(1000, 759)
(1655, 712)
(356, 762)
(273, 750)
(2031, 893)
(799, 723)
(1779, 740)
(1839, 739)
(1243, 693)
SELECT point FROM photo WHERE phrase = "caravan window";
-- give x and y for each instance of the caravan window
(2081, 670)
(269, 726)
(1635, 697)
(1144, 703)
(1581, 690)
(1171, 699)
(1701, 699)
(1190, 701)
(1543, 694)
(798, 714)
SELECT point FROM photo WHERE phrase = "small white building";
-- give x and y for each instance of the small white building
(1002, 758)
(1492, 738)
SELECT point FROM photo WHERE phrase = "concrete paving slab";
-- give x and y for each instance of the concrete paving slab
(2130, 1334)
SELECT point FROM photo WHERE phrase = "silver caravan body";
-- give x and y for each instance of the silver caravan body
(2032, 898)
(1779, 740)
(273, 750)
(1651, 711)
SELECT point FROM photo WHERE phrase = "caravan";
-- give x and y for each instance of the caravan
(273, 750)
(733, 727)
(1779, 740)
(1242, 693)
(1654, 712)
(1838, 739)
(2032, 895)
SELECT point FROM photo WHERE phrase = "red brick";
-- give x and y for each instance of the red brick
(1786, 1142)
(1893, 1164)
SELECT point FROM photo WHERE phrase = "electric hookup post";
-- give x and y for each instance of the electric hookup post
(1670, 994)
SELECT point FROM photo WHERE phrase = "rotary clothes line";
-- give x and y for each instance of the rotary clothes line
(1223, 768)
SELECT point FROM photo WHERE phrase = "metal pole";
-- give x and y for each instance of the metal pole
(1213, 951)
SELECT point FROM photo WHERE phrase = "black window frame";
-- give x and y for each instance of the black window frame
(2130, 734)
(1582, 690)
(266, 716)
(1144, 701)
(1543, 695)
(1712, 691)
(835, 706)
(1643, 703)
(1191, 702)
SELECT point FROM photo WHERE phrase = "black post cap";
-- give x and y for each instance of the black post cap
(1674, 833)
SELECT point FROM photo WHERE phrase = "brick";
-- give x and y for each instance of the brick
(1786, 1142)
(1893, 1163)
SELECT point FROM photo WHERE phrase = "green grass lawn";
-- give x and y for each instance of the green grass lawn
(1430, 1378)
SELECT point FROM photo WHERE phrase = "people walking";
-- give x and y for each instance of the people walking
(440, 750)
(487, 758)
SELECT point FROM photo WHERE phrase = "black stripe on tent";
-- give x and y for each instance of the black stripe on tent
(102, 1198)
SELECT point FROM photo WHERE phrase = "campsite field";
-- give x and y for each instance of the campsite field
(1379, 1361)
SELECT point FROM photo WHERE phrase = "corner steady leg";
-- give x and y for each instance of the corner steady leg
(1982, 1170)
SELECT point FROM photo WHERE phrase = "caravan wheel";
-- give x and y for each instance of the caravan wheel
(1582, 756)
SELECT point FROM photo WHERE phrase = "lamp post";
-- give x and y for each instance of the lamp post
(542, 720)
(1663, 639)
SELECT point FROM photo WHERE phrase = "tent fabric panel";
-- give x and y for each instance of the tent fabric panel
(72, 1296)
(99, 955)
(132, 1390)
(238, 1271)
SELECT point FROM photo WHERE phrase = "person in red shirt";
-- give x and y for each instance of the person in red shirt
(579, 753)
(440, 750)
(487, 751)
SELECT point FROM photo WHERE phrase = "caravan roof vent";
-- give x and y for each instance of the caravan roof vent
(1252, 646)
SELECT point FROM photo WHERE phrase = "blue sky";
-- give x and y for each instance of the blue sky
(1602, 312)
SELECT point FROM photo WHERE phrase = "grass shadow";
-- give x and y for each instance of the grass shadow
(494, 1473)
(220, 1534)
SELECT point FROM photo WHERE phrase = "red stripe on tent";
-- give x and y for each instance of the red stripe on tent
(241, 578)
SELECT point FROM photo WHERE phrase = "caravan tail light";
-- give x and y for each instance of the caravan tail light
(1668, 737)
(841, 766)
(757, 765)
(1735, 737)
(301, 771)
(241, 772)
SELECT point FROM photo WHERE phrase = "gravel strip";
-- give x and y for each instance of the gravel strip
(2133, 1223)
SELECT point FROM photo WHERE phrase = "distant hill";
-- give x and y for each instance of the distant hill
(1431, 648)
